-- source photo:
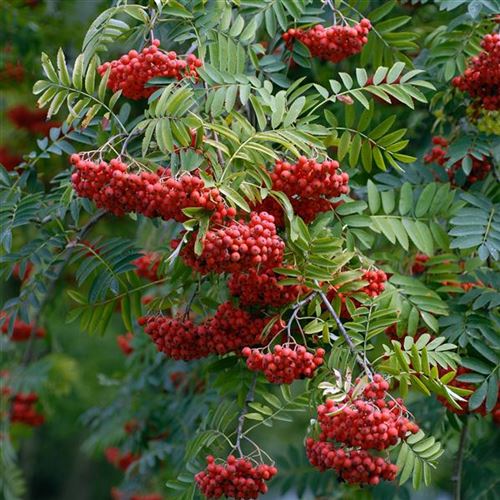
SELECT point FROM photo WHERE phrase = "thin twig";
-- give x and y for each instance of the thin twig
(296, 309)
(459, 462)
(241, 419)
(360, 360)
(55, 278)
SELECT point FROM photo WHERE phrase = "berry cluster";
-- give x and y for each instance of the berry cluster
(418, 265)
(309, 179)
(147, 266)
(124, 341)
(285, 364)
(235, 478)
(120, 460)
(439, 156)
(309, 185)
(22, 331)
(263, 289)
(366, 422)
(229, 330)
(23, 410)
(376, 282)
(8, 159)
(32, 121)
(238, 246)
(438, 152)
(480, 79)
(331, 44)
(112, 187)
(132, 71)
(352, 466)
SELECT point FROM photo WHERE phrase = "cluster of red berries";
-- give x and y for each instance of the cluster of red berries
(238, 246)
(33, 121)
(439, 155)
(285, 364)
(482, 76)
(366, 422)
(158, 194)
(147, 266)
(352, 466)
(464, 405)
(120, 460)
(117, 494)
(124, 342)
(331, 44)
(132, 71)
(8, 159)
(263, 289)
(309, 179)
(376, 282)
(22, 331)
(309, 185)
(23, 410)
(418, 265)
(235, 478)
(229, 330)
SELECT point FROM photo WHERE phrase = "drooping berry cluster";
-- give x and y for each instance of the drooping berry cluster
(439, 155)
(352, 466)
(120, 460)
(368, 422)
(352, 427)
(34, 121)
(234, 478)
(376, 282)
(238, 246)
(285, 364)
(112, 187)
(22, 331)
(124, 342)
(263, 289)
(132, 71)
(482, 76)
(229, 330)
(309, 179)
(418, 265)
(331, 44)
(309, 185)
(147, 266)
(23, 410)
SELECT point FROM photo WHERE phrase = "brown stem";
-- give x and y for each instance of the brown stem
(365, 365)
(459, 462)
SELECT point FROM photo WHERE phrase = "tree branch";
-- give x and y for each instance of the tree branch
(365, 365)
